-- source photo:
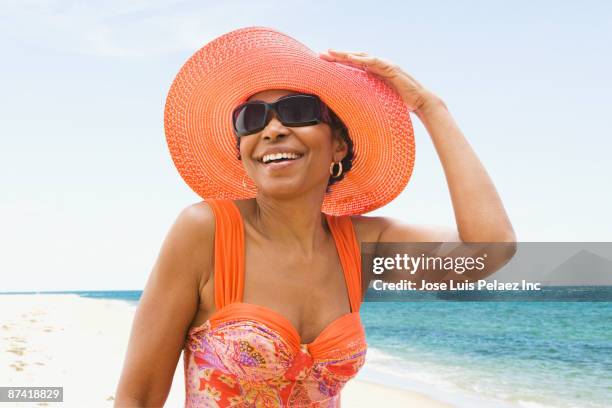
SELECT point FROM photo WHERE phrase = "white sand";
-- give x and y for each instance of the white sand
(80, 343)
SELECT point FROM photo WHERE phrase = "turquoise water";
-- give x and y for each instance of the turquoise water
(530, 354)
(514, 354)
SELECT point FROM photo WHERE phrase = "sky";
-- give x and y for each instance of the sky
(88, 190)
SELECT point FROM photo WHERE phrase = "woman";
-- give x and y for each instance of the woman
(258, 286)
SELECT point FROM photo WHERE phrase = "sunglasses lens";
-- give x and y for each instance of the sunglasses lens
(298, 110)
(250, 118)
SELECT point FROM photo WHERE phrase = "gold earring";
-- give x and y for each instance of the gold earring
(331, 169)
(244, 183)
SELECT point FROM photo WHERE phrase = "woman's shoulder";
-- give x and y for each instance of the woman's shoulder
(199, 215)
(195, 225)
(367, 228)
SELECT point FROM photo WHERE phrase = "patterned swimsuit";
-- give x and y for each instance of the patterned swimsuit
(248, 355)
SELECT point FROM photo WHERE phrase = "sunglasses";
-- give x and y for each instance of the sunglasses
(292, 110)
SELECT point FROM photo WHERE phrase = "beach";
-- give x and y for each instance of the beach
(79, 343)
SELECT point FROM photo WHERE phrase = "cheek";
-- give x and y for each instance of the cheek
(319, 142)
(245, 148)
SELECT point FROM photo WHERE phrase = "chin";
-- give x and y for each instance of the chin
(291, 186)
(281, 189)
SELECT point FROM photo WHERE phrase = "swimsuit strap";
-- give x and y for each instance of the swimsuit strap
(350, 256)
(229, 252)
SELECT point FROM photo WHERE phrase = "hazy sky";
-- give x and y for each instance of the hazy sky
(88, 188)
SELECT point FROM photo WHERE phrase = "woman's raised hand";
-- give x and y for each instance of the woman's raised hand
(412, 92)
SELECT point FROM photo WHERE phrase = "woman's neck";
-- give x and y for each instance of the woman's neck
(294, 223)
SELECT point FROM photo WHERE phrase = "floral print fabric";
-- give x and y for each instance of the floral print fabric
(245, 364)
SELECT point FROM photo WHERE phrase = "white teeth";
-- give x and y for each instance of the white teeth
(277, 156)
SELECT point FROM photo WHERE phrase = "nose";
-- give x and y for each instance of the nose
(274, 129)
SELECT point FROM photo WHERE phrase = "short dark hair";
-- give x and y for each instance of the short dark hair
(338, 128)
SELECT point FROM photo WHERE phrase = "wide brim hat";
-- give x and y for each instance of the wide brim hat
(231, 68)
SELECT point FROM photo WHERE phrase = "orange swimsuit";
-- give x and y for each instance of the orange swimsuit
(248, 355)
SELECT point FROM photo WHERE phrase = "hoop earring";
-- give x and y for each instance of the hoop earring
(331, 169)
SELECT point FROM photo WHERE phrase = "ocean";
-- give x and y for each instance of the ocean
(486, 353)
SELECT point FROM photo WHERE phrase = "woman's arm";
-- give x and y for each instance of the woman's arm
(166, 309)
(479, 213)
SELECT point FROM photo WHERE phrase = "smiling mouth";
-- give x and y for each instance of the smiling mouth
(279, 158)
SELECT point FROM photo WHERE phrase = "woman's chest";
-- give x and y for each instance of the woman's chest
(310, 292)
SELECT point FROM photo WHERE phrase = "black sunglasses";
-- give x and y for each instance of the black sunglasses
(292, 110)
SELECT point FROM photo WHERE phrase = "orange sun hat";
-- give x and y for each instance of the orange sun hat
(231, 68)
